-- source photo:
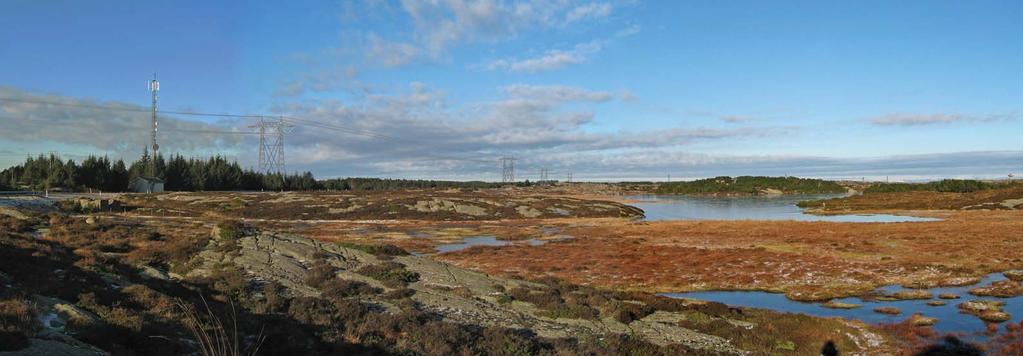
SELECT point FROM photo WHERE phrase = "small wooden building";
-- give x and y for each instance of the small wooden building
(146, 185)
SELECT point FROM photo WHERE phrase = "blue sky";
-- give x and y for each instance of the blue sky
(606, 89)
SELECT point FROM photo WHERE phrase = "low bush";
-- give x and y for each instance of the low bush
(337, 288)
(17, 323)
(230, 230)
(391, 274)
(319, 273)
(401, 293)
(273, 298)
(376, 250)
(629, 312)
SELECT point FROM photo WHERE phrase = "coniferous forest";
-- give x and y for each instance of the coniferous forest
(216, 173)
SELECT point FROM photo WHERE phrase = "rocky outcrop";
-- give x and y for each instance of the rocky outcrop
(456, 294)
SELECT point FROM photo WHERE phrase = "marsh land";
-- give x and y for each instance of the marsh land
(562, 269)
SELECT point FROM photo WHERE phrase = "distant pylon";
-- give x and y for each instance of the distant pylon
(507, 169)
(271, 149)
(569, 177)
(543, 174)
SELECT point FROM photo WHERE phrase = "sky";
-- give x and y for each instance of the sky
(605, 90)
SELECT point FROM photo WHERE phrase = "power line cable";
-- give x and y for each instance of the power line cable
(131, 109)
(289, 119)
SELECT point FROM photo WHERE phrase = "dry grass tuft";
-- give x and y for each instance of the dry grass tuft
(212, 336)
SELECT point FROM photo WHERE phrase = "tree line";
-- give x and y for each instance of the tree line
(751, 185)
(944, 185)
(100, 173)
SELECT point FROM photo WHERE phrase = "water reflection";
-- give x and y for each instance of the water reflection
(482, 241)
(674, 207)
(950, 320)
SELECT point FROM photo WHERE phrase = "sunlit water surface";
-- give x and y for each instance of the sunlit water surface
(950, 320)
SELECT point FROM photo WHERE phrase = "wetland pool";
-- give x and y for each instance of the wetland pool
(950, 319)
(488, 240)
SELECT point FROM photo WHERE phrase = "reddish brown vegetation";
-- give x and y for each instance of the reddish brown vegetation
(1009, 342)
(921, 200)
(428, 204)
(17, 323)
(807, 260)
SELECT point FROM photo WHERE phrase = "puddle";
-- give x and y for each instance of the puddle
(51, 321)
(470, 242)
(950, 320)
(674, 207)
(492, 241)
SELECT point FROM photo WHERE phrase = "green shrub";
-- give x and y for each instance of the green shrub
(945, 186)
(17, 323)
(401, 293)
(751, 185)
(320, 273)
(391, 274)
(337, 288)
(230, 230)
(376, 250)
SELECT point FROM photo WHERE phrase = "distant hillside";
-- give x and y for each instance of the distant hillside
(949, 194)
(944, 186)
(747, 185)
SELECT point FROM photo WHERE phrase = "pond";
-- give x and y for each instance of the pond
(483, 241)
(950, 320)
(783, 207)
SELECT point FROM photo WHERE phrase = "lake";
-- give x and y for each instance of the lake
(783, 207)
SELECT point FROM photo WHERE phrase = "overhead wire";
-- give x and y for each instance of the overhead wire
(286, 119)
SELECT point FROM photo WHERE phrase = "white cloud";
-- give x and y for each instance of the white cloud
(628, 31)
(440, 24)
(550, 60)
(900, 119)
(390, 54)
(414, 133)
(327, 79)
(423, 134)
(117, 128)
(555, 93)
(735, 119)
(730, 118)
(588, 11)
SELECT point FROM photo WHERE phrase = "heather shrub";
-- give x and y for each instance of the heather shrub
(344, 288)
(319, 273)
(629, 312)
(17, 323)
(230, 230)
(400, 293)
(391, 274)
(376, 250)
